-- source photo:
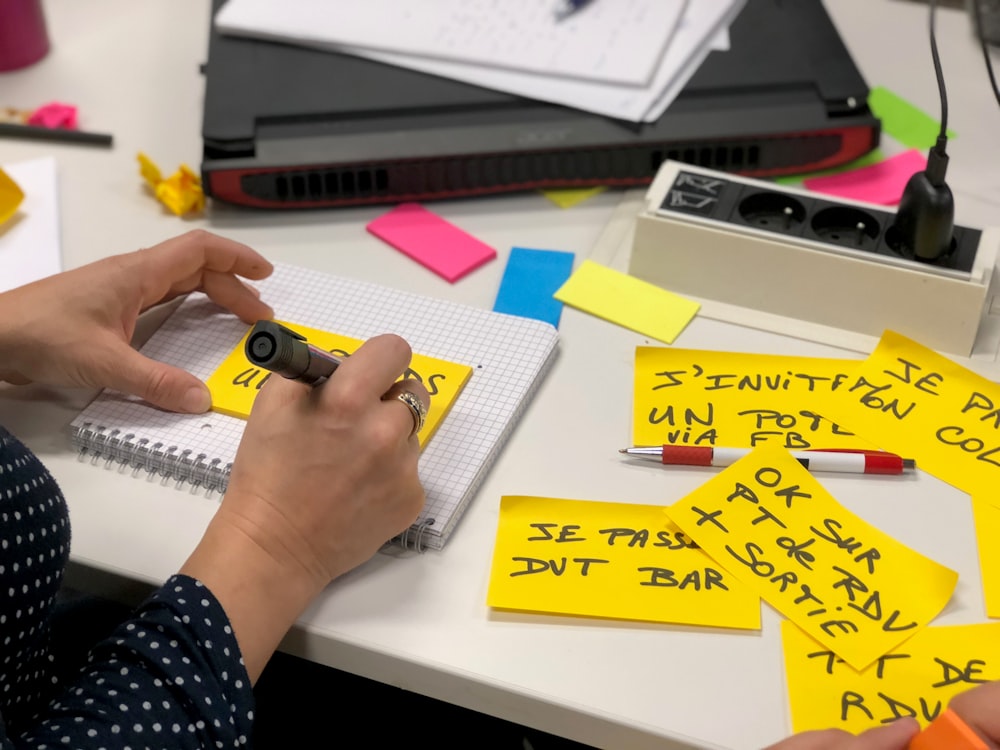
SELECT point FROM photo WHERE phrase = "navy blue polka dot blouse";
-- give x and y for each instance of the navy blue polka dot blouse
(171, 676)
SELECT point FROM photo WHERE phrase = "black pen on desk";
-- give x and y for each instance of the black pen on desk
(59, 135)
(566, 8)
(272, 346)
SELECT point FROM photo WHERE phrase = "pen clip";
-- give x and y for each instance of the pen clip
(856, 451)
(290, 332)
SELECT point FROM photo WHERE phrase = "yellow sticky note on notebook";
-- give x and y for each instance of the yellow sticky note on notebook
(613, 560)
(987, 519)
(731, 399)
(10, 196)
(853, 588)
(917, 403)
(236, 382)
(627, 301)
(916, 679)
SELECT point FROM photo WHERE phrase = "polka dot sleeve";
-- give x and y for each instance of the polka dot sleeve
(170, 677)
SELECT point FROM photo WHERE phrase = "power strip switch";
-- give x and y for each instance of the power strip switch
(788, 252)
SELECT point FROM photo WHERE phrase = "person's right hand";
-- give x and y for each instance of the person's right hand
(894, 736)
(323, 477)
(980, 709)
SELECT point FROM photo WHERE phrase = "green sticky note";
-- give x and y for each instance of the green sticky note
(910, 126)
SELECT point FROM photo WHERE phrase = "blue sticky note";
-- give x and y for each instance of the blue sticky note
(530, 280)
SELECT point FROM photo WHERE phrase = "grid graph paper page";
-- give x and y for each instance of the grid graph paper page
(508, 356)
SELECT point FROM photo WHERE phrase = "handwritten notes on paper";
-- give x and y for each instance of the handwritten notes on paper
(850, 586)
(738, 400)
(917, 403)
(610, 560)
(236, 382)
(917, 679)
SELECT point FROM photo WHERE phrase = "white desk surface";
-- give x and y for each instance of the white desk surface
(421, 622)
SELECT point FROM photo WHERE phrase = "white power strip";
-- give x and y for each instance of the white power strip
(796, 255)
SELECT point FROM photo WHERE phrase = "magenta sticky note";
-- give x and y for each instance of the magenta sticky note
(431, 241)
(880, 183)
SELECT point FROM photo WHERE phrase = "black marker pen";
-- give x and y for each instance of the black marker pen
(278, 349)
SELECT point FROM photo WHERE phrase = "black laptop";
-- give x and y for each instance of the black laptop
(291, 127)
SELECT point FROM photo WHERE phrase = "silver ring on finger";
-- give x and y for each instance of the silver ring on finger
(417, 410)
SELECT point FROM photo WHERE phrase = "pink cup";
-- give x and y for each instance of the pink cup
(23, 37)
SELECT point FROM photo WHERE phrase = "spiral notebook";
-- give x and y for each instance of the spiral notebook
(509, 356)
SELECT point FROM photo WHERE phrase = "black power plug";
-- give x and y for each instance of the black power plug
(925, 222)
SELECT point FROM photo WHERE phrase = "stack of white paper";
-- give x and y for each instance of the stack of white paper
(626, 59)
(29, 240)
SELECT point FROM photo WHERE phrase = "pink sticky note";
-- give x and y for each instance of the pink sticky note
(431, 241)
(54, 115)
(880, 183)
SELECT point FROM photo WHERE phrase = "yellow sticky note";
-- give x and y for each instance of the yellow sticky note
(916, 403)
(572, 196)
(853, 588)
(729, 399)
(627, 301)
(916, 679)
(236, 382)
(10, 196)
(613, 560)
(987, 519)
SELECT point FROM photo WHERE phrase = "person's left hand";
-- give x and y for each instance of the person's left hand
(75, 328)
(894, 736)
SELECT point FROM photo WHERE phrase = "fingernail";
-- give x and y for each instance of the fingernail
(197, 400)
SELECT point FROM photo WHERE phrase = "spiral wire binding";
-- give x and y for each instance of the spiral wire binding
(122, 451)
(413, 537)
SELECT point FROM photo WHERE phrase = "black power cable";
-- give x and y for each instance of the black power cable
(978, 11)
(925, 221)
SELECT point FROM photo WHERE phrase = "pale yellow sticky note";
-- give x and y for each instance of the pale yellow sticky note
(572, 196)
(916, 403)
(987, 520)
(853, 588)
(10, 196)
(614, 560)
(236, 382)
(729, 399)
(627, 301)
(916, 679)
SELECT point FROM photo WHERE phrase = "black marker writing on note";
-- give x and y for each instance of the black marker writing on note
(272, 346)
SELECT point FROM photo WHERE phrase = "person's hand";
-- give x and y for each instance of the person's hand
(323, 477)
(979, 708)
(894, 736)
(75, 328)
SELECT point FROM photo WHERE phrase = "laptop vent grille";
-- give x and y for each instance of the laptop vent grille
(503, 173)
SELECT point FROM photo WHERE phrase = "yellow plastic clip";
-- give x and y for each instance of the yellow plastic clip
(181, 192)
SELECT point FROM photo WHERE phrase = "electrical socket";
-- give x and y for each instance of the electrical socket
(792, 253)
